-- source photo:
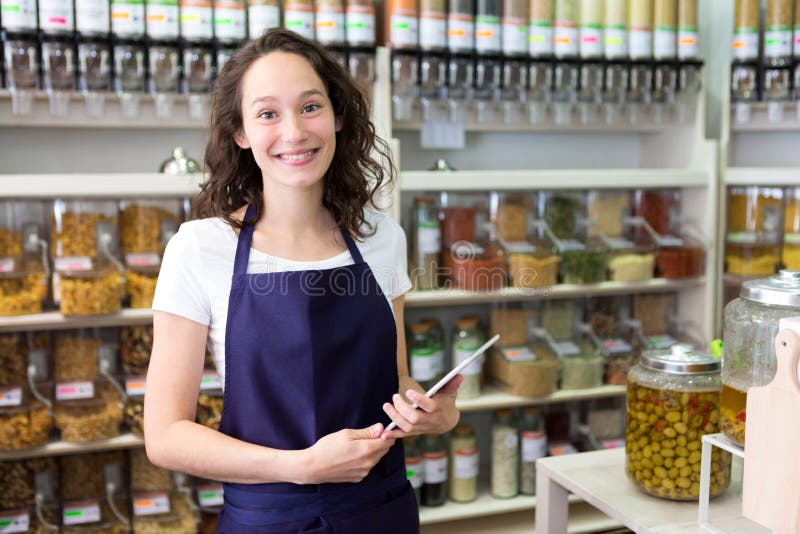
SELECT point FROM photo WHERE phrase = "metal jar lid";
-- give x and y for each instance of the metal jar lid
(782, 289)
(680, 359)
(180, 163)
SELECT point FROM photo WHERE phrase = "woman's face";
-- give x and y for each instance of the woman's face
(287, 121)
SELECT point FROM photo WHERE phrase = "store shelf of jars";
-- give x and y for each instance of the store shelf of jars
(765, 117)
(61, 448)
(551, 179)
(491, 399)
(75, 112)
(484, 505)
(458, 297)
(549, 127)
(775, 176)
(54, 320)
(105, 185)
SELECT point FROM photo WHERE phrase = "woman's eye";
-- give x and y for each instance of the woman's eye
(310, 108)
(266, 115)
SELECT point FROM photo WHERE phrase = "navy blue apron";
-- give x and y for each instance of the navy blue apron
(308, 353)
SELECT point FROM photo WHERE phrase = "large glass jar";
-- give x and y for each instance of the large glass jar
(672, 402)
(422, 362)
(791, 227)
(434, 458)
(436, 333)
(752, 241)
(659, 207)
(23, 273)
(414, 465)
(750, 326)
(463, 464)
(468, 336)
(426, 243)
(505, 455)
(562, 211)
(606, 210)
(533, 444)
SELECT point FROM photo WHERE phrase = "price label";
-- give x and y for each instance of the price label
(210, 495)
(14, 521)
(10, 397)
(210, 381)
(518, 354)
(616, 346)
(617, 443)
(660, 342)
(81, 512)
(73, 263)
(566, 348)
(134, 385)
(6, 265)
(143, 260)
(150, 504)
(74, 390)
(562, 448)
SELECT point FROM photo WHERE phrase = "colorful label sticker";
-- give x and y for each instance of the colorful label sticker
(7, 265)
(142, 259)
(540, 38)
(81, 513)
(360, 23)
(14, 521)
(210, 495)
(134, 385)
(210, 381)
(515, 37)
(73, 263)
(688, 43)
(74, 390)
(300, 19)
(127, 18)
(488, 38)
(591, 40)
(745, 44)
(415, 472)
(162, 19)
(423, 364)
(565, 41)
(18, 14)
(229, 21)
(330, 26)
(150, 504)
(518, 354)
(92, 16)
(778, 41)
(404, 30)
(534, 445)
(262, 18)
(54, 16)
(460, 33)
(615, 42)
(10, 397)
(197, 21)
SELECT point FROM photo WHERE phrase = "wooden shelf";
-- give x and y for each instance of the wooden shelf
(55, 321)
(488, 180)
(106, 185)
(61, 448)
(492, 399)
(457, 297)
(775, 176)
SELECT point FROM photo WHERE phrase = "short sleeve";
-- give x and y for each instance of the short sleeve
(181, 288)
(400, 282)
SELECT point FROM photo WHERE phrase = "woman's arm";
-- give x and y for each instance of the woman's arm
(174, 441)
(435, 415)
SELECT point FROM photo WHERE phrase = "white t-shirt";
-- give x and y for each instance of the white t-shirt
(195, 277)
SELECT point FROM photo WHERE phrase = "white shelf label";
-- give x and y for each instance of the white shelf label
(360, 22)
(134, 385)
(460, 32)
(10, 397)
(566, 348)
(142, 260)
(210, 495)
(518, 354)
(262, 18)
(210, 381)
(81, 513)
(435, 467)
(6, 265)
(74, 390)
(432, 31)
(534, 445)
(616, 346)
(14, 521)
(150, 504)
(73, 263)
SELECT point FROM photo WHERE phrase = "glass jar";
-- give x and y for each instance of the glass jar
(533, 441)
(584, 264)
(562, 211)
(672, 402)
(145, 476)
(468, 336)
(505, 455)
(510, 320)
(750, 326)
(752, 241)
(179, 517)
(434, 458)
(137, 344)
(606, 210)
(25, 421)
(458, 215)
(426, 243)
(509, 213)
(87, 411)
(422, 356)
(23, 273)
(415, 467)
(790, 255)
(463, 464)
(478, 266)
(436, 333)
(658, 207)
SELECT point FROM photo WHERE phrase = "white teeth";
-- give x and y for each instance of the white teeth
(295, 157)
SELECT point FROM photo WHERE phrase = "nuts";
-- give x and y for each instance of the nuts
(140, 288)
(209, 411)
(146, 476)
(134, 416)
(140, 228)
(75, 357)
(75, 234)
(181, 519)
(17, 484)
(10, 243)
(137, 343)
(25, 427)
(662, 441)
(90, 419)
(12, 360)
(21, 296)
(91, 296)
(83, 475)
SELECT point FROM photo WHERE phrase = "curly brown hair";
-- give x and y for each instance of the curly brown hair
(355, 174)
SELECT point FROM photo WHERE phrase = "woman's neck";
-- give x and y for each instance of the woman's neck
(294, 212)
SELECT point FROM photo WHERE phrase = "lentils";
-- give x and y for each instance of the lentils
(662, 441)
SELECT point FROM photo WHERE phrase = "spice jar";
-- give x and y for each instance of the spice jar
(25, 420)
(505, 455)
(533, 440)
(434, 458)
(463, 464)
(790, 255)
(87, 411)
(468, 336)
(672, 401)
(426, 243)
(415, 467)
(422, 356)
(23, 272)
(750, 327)
(752, 241)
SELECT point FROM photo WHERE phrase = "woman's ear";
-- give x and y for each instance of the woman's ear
(241, 140)
(339, 123)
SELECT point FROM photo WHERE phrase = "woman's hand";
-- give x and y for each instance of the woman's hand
(346, 455)
(435, 415)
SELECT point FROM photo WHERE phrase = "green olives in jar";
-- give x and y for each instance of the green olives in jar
(672, 401)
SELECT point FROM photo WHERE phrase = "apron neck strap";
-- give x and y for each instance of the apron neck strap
(243, 246)
(351, 246)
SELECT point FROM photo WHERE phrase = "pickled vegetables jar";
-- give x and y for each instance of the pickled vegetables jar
(672, 402)
(750, 326)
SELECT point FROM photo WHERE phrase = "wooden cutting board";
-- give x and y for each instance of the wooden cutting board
(771, 485)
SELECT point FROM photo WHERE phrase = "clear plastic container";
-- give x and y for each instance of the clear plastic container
(750, 326)
(790, 255)
(85, 476)
(562, 212)
(83, 234)
(23, 272)
(511, 320)
(479, 265)
(509, 213)
(652, 311)
(629, 262)
(25, 421)
(584, 265)
(87, 411)
(137, 344)
(659, 207)
(752, 242)
(18, 480)
(76, 355)
(581, 366)
(145, 228)
(606, 210)
(673, 399)
(209, 408)
(559, 317)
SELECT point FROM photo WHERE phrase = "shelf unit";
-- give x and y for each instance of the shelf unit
(62, 448)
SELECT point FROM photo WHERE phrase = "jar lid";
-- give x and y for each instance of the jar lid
(463, 431)
(420, 328)
(782, 289)
(680, 359)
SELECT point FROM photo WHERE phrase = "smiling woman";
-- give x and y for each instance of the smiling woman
(295, 282)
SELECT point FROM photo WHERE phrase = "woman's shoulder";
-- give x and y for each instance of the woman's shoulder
(380, 225)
